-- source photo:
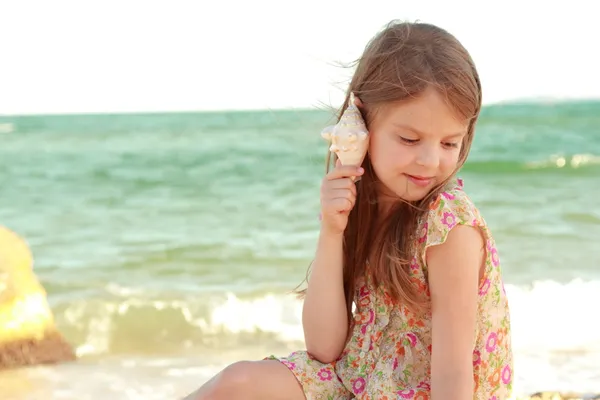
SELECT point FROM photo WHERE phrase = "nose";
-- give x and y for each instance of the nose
(428, 157)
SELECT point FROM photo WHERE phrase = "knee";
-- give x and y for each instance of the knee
(237, 374)
(233, 381)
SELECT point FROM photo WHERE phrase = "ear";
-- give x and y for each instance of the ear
(357, 102)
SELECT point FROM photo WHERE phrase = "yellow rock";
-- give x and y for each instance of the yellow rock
(28, 335)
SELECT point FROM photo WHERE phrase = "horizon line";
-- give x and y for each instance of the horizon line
(507, 102)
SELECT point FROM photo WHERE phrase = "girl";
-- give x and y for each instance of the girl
(405, 298)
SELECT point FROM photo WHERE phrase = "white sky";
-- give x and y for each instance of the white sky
(124, 55)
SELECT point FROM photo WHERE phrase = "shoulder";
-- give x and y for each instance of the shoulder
(451, 208)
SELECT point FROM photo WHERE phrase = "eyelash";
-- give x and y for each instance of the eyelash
(414, 141)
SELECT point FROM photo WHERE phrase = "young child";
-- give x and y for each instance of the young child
(405, 298)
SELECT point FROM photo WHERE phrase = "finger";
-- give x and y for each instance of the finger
(329, 201)
(344, 171)
(341, 204)
(340, 194)
(343, 183)
(336, 193)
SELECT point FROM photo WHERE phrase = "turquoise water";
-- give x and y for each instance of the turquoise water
(168, 243)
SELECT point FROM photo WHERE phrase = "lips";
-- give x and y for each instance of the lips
(420, 180)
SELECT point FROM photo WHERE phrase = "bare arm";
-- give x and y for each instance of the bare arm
(454, 270)
(324, 313)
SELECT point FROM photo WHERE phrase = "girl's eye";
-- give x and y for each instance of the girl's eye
(408, 141)
(450, 145)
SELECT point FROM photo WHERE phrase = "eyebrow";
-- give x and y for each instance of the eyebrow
(419, 132)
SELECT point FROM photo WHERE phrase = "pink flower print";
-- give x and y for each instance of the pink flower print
(476, 357)
(424, 386)
(423, 237)
(406, 393)
(289, 364)
(412, 339)
(363, 329)
(449, 220)
(460, 182)
(506, 375)
(484, 289)
(448, 195)
(413, 264)
(358, 385)
(325, 374)
(495, 259)
(395, 365)
(493, 398)
(492, 340)
(364, 302)
(364, 291)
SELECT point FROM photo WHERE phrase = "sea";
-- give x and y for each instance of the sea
(170, 243)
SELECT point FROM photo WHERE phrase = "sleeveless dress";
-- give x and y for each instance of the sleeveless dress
(389, 353)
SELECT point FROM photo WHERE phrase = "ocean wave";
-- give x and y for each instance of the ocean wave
(547, 317)
(573, 164)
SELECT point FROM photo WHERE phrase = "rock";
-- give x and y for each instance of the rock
(28, 335)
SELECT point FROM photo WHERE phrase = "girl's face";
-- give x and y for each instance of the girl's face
(415, 145)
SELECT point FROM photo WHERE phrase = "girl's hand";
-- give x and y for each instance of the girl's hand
(338, 196)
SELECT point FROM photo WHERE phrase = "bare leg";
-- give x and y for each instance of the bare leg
(249, 380)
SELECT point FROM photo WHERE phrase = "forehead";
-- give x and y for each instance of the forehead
(428, 113)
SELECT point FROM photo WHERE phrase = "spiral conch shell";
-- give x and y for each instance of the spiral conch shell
(349, 138)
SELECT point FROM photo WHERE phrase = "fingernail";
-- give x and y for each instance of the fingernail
(360, 170)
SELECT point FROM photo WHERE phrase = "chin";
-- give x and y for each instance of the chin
(413, 197)
(410, 193)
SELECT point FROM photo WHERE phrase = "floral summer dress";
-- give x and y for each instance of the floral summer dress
(389, 354)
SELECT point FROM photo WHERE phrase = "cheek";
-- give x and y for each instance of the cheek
(377, 149)
(388, 154)
(449, 161)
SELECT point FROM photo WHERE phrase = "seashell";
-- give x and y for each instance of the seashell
(349, 137)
